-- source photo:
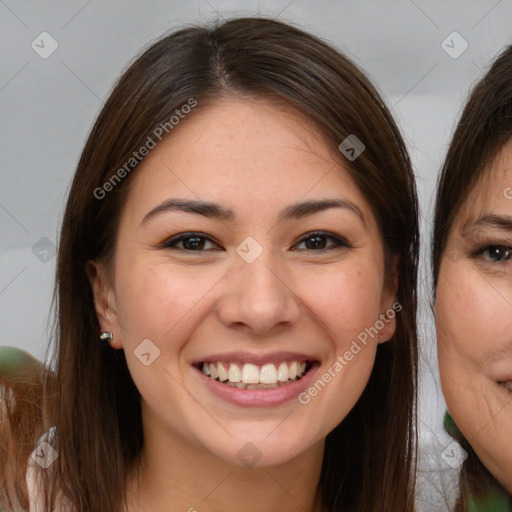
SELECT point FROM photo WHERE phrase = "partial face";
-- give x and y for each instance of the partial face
(249, 298)
(474, 319)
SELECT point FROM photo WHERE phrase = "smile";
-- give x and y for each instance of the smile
(257, 380)
(254, 376)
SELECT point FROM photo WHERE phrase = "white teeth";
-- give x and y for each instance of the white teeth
(268, 374)
(282, 372)
(292, 371)
(223, 374)
(234, 374)
(250, 374)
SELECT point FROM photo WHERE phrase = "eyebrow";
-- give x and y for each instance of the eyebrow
(216, 211)
(490, 221)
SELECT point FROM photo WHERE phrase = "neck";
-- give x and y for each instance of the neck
(175, 475)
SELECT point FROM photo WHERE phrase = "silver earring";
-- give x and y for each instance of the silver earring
(107, 336)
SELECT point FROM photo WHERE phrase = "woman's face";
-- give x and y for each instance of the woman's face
(259, 281)
(474, 319)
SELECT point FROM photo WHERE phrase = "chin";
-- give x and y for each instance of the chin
(259, 452)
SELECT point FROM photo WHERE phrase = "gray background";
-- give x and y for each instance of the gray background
(47, 107)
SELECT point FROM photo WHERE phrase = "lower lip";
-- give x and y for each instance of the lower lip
(259, 397)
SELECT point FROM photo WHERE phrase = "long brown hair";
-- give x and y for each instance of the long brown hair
(484, 127)
(369, 458)
(21, 383)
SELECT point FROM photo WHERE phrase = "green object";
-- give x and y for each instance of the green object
(14, 361)
(493, 502)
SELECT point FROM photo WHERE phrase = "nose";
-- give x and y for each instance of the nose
(258, 296)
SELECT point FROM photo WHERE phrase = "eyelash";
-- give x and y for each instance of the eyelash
(502, 247)
(173, 241)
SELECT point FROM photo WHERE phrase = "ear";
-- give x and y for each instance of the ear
(104, 301)
(389, 306)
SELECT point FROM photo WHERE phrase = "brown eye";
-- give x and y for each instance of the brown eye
(497, 253)
(318, 242)
(191, 242)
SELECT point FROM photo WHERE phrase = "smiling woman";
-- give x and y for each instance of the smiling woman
(228, 274)
(472, 249)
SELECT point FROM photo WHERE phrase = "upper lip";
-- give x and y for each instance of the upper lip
(248, 357)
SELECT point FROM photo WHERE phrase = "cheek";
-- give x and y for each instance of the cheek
(473, 325)
(154, 299)
(347, 305)
(346, 299)
(473, 317)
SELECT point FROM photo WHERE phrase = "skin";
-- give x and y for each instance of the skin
(474, 319)
(191, 304)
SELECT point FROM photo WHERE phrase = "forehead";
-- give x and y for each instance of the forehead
(492, 193)
(248, 149)
(246, 131)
